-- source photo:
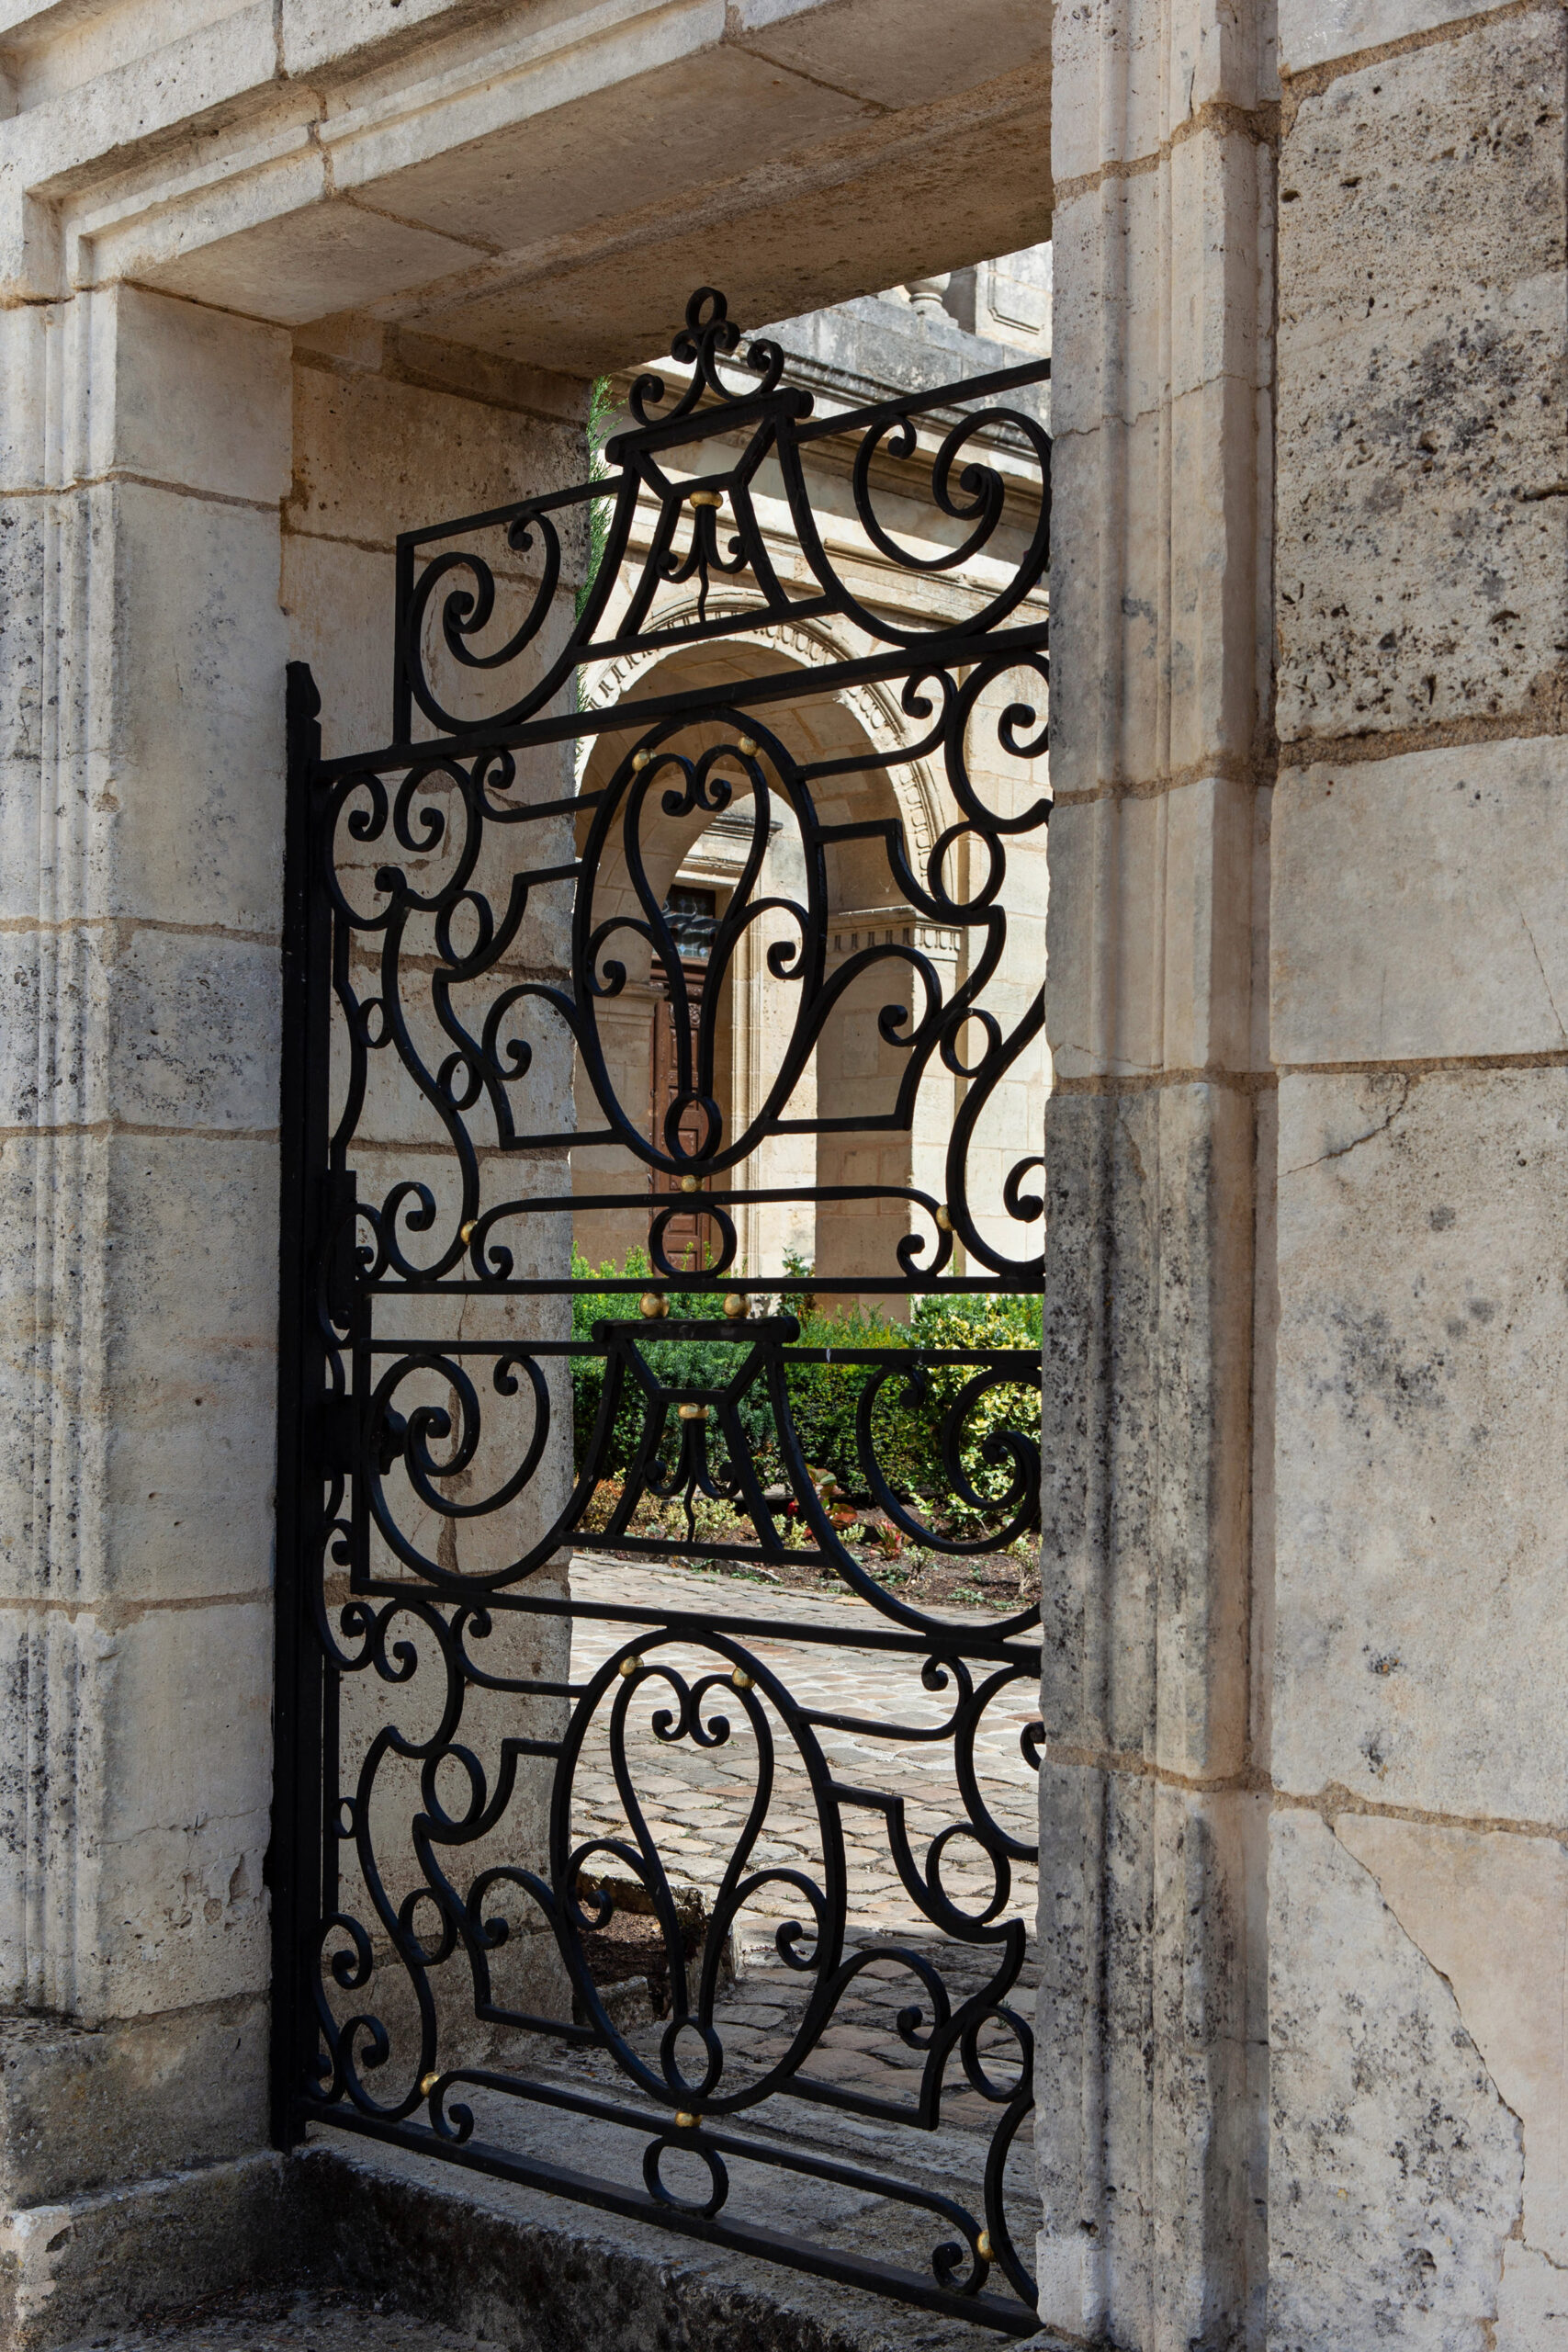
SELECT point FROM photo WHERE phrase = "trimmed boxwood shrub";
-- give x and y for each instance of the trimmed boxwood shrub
(826, 1397)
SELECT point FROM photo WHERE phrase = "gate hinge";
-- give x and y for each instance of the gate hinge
(341, 1235)
(337, 1435)
(340, 1437)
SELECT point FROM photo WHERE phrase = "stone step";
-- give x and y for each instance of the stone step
(520, 2269)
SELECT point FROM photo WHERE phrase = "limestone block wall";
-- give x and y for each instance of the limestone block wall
(1418, 1741)
(147, 447)
(1302, 1916)
(1153, 2023)
(187, 502)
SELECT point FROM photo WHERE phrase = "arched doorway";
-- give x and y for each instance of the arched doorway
(835, 1186)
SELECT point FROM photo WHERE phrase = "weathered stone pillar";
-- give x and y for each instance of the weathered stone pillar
(1152, 2117)
(1418, 2171)
(146, 447)
(190, 501)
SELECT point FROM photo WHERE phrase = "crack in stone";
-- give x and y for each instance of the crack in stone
(734, 37)
(1488, 2325)
(1370, 1136)
(1541, 967)
(1137, 1157)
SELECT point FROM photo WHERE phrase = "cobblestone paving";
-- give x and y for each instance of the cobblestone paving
(695, 1800)
(907, 2142)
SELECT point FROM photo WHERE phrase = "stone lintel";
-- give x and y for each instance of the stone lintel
(329, 164)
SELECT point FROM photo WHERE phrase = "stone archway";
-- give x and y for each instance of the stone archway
(702, 856)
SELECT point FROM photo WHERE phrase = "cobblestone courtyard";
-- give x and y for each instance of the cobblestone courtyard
(695, 1800)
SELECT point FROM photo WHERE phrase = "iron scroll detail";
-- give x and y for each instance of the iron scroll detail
(449, 606)
(470, 1722)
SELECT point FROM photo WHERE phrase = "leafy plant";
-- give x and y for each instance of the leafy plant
(907, 1417)
(978, 1319)
(601, 423)
(685, 1363)
(798, 1269)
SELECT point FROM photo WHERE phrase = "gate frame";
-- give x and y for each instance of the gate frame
(318, 1224)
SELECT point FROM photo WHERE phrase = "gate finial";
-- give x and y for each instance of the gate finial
(708, 335)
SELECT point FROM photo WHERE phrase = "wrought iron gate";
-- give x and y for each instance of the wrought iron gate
(465, 1852)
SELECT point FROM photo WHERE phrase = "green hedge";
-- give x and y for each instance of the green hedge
(825, 1398)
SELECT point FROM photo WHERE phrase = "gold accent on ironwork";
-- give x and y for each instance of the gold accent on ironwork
(427, 2084)
(689, 1184)
(707, 498)
(982, 2245)
(741, 1680)
(641, 759)
(653, 1306)
(685, 2122)
(630, 1666)
(693, 1412)
(944, 1219)
(467, 1232)
(747, 747)
(737, 1306)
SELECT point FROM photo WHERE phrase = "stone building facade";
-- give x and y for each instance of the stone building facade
(280, 278)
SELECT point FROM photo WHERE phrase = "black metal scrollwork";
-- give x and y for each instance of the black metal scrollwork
(461, 933)
(708, 335)
(774, 422)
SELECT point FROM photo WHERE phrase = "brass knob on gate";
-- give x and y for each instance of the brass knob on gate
(653, 1306)
(746, 747)
(685, 2122)
(707, 498)
(688, 1183)
(641, 759)
(982, 2245)
(465, 1232)
(944, 1218)
(737, 1306)
(741, 1680)
(691, 1412)
(427, 2084)
(630, 1666)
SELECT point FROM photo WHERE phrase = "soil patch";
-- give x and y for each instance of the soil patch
(926, 1578)
(630, 1946)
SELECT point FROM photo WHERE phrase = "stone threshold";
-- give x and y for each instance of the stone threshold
(483, 2261)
